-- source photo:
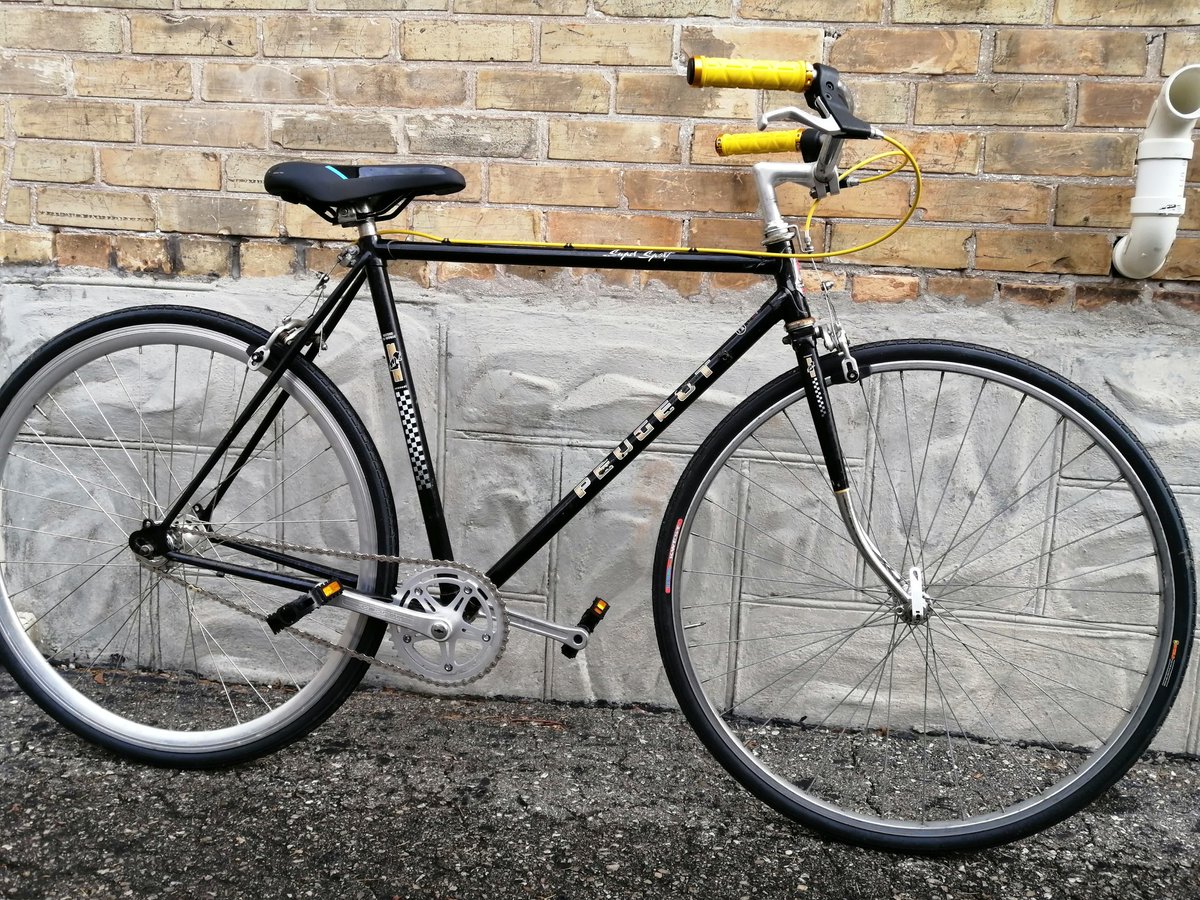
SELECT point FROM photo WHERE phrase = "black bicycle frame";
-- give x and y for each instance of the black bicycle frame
(787, 305)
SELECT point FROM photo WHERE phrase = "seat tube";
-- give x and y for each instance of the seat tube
(410, 413)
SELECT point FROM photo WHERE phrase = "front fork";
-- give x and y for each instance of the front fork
(908, 594)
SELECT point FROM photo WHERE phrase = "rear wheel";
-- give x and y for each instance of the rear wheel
(1059, 585)
(100, 430)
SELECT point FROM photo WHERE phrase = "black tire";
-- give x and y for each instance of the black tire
(1060, 588)
(123, 657)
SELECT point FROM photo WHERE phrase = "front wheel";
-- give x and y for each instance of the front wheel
(1059, 594)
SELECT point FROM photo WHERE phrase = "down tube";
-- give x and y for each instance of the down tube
(639, 439)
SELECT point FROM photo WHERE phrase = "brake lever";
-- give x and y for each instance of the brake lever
(825, 174)
(824, 124)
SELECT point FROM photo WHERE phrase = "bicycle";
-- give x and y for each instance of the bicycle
(947, 618)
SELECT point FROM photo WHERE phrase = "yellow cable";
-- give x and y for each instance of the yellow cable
(909, 159)
(866, 162)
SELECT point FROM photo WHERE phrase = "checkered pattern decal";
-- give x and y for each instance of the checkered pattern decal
(412, 437)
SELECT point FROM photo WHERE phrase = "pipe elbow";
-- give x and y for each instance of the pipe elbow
(1142, 252)
(1177, 107)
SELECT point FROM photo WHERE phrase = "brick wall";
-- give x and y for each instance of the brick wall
(136, 132)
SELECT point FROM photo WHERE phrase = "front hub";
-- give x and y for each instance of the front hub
(915, 606)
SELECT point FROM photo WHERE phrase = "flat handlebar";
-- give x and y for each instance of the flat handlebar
(765, 74)
(821, 87)
(760, 142)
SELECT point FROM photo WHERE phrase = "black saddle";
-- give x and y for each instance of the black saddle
(347, 195)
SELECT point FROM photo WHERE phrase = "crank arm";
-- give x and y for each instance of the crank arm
(576, 638)
(429, 624)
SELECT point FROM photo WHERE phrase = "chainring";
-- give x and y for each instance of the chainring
(478, 625)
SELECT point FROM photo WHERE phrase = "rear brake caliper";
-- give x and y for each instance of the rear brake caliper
(286, 331)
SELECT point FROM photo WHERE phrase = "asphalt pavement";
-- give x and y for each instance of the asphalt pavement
(401, 796)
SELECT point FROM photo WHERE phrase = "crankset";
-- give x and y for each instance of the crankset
(474, 612)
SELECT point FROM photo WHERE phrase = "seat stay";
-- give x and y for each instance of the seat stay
(331, 309)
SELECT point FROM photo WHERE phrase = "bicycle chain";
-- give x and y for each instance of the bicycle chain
(408, 561)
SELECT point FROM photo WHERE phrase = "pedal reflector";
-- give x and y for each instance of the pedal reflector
(590, 619)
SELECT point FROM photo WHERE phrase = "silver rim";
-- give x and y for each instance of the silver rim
(1050, 591)
(98, 438)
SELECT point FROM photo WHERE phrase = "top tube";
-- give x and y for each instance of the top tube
(568, 256)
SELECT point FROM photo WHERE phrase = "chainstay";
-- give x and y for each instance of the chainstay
(417, 563)
(414, 561)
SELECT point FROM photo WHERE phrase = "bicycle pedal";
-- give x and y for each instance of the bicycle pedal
(295, 610)
(590, 619)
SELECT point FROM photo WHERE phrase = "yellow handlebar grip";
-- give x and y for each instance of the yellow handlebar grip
(762, 142)
(711, 71)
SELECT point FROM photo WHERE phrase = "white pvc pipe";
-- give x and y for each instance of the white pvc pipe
(1162, 162)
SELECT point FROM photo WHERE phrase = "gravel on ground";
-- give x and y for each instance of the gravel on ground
(401, 795)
